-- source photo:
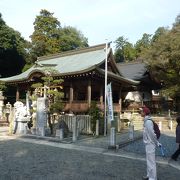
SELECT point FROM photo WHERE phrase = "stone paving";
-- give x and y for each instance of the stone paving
(35, 153)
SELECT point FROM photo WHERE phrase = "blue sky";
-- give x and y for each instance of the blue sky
(98, 20)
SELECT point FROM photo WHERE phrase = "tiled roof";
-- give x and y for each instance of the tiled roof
(135, 70)
(71, 62)
(139, 72)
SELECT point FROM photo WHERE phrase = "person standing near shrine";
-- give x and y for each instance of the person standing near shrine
(150, 141)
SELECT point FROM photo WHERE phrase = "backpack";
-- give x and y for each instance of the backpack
(156, 129)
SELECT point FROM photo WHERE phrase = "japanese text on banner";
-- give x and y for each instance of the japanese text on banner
(110, 102)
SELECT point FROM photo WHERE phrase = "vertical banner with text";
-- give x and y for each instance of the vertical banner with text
(110, 102)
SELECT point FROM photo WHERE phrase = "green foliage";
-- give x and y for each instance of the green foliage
(37, 85)
(124, 51)
(143, 44)
(2, 86)
(161, 52)
(26, 67)
(54, 88)
(50, 38)
(71, 38)
(95, 114)
(57, 105)
(118, 56)
(12, 50)
(158, 33)
(45, 38)
(163, 58)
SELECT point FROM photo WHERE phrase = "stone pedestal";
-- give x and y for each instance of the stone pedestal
(40, 131)
(60, 133)
(97, 127)
(20, 125)
(112, 137)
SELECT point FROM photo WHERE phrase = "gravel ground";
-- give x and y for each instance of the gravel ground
(28, 161)
(167, 141)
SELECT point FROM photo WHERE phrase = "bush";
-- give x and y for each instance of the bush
(95, 114)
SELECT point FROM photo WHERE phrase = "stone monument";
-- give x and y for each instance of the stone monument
(41, 116)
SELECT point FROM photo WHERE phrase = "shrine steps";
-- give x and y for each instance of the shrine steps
(4, 123)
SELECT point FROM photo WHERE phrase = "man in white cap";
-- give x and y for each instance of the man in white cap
(150, 141)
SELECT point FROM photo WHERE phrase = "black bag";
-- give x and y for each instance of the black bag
(156, 129)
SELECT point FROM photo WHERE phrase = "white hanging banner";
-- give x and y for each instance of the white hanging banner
(110, 102)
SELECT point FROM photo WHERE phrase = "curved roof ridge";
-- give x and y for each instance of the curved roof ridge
(72, 52)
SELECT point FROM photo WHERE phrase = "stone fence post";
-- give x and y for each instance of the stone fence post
(75, 129)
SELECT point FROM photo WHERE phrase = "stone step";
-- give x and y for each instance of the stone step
(165, 125)
(4, 123)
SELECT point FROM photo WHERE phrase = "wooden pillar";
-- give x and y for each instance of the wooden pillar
(120, 124)
(71, 93)
(17, 93)
(101, 96)
(89, 93)
(120, 99)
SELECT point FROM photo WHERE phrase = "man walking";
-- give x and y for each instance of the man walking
(150, 141)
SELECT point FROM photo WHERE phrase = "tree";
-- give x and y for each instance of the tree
(95, 114)
(54, 93)
(12, 50)
(142, 44)
(158, 33)
(177, 21)
(71, 38)
(50, 38)
(163, 58)
(124, 50)
(45, 38)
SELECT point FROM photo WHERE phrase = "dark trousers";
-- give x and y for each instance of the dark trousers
(177, 153)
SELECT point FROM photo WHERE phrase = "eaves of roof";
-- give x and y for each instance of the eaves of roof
(121, 79)
(23, 77)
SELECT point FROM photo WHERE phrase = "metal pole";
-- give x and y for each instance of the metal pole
(105, 88)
